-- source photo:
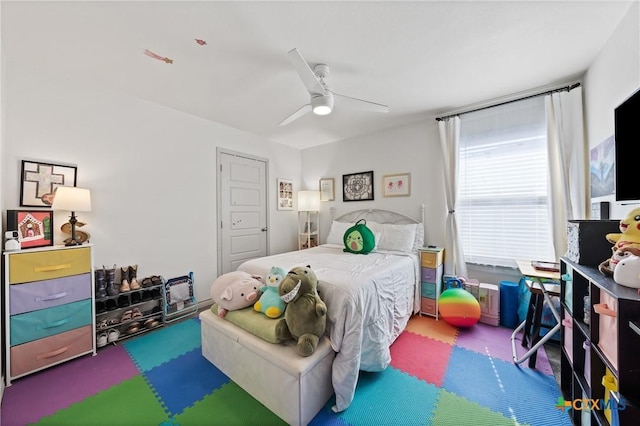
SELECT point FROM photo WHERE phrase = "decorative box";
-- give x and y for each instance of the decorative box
(586, 242)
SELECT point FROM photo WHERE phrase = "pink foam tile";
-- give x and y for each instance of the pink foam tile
(421, 357)
(496, 342)
(43, 393)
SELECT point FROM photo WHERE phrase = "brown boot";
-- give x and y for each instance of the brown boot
(133, 274)
(124, 276)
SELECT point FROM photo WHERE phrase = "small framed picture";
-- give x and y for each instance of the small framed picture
(38, 182)
(285, 194)
(35, 228)
(326, 189)
(398, 185)
(357, 186)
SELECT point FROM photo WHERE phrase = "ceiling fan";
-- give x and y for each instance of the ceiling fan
(321, 97)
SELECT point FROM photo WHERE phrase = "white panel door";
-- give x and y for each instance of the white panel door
(243, 210)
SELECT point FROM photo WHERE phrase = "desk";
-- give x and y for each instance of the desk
(539, 293)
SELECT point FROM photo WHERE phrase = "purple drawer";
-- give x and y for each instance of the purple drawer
(432, 275)
(46, 294)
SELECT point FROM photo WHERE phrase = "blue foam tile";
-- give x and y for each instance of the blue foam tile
(182, 381)
(413, 399)
(505, 387)
(164, 344)
(326, 417)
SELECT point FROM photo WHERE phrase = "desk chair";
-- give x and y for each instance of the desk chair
(531, 326)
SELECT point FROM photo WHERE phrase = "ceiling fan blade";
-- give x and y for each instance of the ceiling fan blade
(305, 72)
(304, 109)
(360, 104)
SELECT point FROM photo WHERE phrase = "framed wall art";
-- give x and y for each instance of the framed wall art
(357, 186)
(38, 181)
(35, 228)
(285, 194)
(327, 192)
(398, 185)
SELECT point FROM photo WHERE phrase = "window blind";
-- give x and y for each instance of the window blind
(502, 194)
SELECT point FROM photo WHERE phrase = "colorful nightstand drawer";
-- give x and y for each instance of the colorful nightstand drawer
(431, 259)
(46, 294)
(46, 265)
(429, 290)
(607, 309)
(428, 306)
(47, 322)
(431, 275)
(50, 350)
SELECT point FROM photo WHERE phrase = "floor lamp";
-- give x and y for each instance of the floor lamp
(308, 201)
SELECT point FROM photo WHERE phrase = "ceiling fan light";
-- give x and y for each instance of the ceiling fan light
(322, 104)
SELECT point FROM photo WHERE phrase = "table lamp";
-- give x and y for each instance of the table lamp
(72, 199)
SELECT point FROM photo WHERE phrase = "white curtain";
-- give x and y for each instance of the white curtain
(568, 158)
(450, 140)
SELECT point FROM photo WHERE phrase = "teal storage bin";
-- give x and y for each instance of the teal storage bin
(47, 322)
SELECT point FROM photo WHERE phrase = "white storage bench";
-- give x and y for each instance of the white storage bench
(295, 388)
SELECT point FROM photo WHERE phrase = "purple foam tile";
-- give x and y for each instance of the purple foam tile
(496, 342)
(57, 386)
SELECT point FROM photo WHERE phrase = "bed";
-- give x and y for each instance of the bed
(370, 298)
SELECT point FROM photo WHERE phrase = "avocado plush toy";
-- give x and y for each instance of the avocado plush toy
(305, 318)
(270, 302)
(359, 239)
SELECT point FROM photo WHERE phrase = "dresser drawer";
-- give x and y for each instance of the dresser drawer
(50, 350)
(429, 290)
(46, 294)
(607, 310)
(47, 322)
(431, 275)
(428, 306)
(46, 265)
(431, 259)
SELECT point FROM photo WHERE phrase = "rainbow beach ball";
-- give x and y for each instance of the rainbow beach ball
(458, 307)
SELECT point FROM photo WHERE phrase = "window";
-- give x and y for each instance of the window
(502, 194)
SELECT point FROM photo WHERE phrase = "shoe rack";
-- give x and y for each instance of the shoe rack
(125, 306)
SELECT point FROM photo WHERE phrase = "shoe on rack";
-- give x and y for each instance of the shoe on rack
(101, 307)
(101, 340)
(151, 323)
(136, 297)
(113, 335)
(111, 305)
(101, 283)
(156, 280)
(133, 281)
(124, 280)
(133, 328)
(146, 282)
(135, 313)
(146, 295)
(126, 316)
(110, 277)
(123, 301)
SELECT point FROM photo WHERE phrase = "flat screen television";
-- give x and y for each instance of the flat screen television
(627, 141)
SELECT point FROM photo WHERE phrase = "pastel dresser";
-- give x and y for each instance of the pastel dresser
(431, 272)
(48, 308)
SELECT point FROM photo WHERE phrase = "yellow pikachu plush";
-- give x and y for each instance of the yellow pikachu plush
(630, 231)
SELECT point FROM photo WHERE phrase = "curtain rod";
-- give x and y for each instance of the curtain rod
(568, 88)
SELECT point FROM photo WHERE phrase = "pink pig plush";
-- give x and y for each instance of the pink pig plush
(235, 290)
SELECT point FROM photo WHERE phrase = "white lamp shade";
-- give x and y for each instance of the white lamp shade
(72, 199)
(308, 201)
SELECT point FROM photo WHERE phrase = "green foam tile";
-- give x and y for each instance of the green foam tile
(453, 410)
(128, 403)
(228, 406)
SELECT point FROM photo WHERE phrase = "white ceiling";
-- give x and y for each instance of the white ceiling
(420, 58)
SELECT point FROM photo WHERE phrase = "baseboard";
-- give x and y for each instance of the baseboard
(205, 304)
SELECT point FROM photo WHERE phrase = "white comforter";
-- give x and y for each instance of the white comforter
(369, 299)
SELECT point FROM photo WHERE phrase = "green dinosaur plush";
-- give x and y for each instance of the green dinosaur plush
(305, 318)
(359, 239)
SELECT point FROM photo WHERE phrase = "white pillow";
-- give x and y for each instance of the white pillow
(398, 237)
(336, 233)
(419, 241)
(376, 228)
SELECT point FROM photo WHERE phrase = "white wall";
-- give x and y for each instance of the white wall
(151, 171)
(612, 77)
(413, 148)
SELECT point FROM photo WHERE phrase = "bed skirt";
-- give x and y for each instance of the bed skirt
(295, 388)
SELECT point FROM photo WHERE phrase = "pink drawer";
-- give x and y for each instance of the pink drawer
(567, 326)
(607, 310)
(45, 294)
(428, 306)
(50, 350)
